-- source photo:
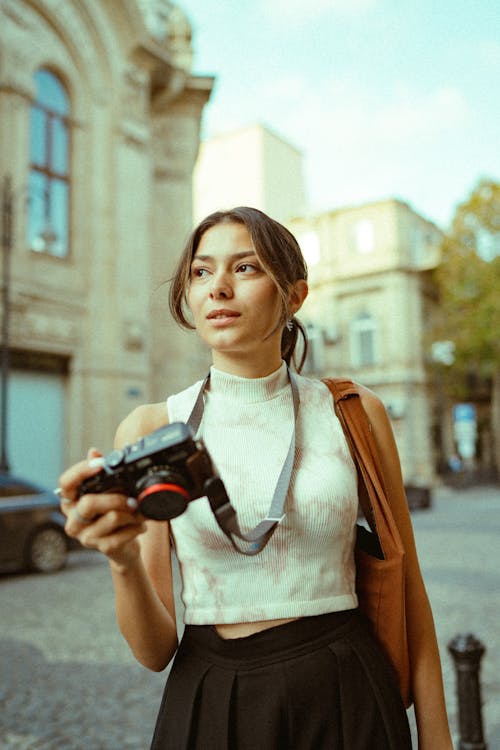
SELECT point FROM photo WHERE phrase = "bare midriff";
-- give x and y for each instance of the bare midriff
(244, 629)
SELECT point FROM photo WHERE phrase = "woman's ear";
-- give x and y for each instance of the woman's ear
(298, 293)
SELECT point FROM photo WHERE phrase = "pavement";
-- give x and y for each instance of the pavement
(459, 552)
(68, 681)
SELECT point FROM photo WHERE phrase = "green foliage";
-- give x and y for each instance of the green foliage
(468, 282)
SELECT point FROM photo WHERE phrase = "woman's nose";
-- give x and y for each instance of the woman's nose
(220, 288)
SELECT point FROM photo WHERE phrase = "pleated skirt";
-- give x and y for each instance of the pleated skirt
(317, 683)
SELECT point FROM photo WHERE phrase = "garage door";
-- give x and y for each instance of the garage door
(36, 420)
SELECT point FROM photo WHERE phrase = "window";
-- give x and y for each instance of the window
(48, 215)
(363, 340)
(363, 236)
(309, 244)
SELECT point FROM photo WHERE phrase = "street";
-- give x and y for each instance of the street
(68, 681)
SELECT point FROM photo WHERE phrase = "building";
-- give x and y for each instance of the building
(99, 133)
(369, 307)
(249, 167)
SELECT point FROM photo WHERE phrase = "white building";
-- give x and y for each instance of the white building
(369, 307)
(249, 167)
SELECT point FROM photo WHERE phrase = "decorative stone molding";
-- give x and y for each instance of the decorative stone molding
(39, 328)
(179, 37)
(168, 25)
(135, 93)
(134, 133)
(15, 72)
(176, 129)
(175, 147)
(156, 13)
(71, 21)
(9, 9)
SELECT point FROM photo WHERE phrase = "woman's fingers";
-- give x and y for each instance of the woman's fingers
(106, 521)
(71, 479)
(89, 509)
(94, 453)
(109, 524)
(114, 534)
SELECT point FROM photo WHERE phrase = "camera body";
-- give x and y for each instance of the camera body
(164, 471)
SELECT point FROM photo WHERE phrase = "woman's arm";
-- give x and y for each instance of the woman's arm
(427, 681)
(138, 551)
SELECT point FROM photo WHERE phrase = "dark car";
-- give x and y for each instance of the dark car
(32, 535)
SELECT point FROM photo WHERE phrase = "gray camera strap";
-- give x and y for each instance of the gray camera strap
(253, 541)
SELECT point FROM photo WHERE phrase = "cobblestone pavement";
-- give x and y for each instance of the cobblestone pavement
(68, 682)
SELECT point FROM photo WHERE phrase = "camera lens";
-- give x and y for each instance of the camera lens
(162, 496)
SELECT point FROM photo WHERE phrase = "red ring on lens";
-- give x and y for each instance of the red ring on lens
(163, 487)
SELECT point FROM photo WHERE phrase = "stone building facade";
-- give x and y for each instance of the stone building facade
(99, 133)
(369, 307)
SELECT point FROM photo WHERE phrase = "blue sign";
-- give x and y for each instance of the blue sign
(464, 413)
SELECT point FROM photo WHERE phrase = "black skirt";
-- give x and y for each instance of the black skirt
(317, 683)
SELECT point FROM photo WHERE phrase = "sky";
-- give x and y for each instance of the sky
(385, 98)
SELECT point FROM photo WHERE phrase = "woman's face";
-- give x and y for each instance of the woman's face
(235, 305)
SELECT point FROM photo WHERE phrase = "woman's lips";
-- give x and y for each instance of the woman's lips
(222, 317)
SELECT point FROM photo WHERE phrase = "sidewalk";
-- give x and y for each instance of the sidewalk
(459, 551)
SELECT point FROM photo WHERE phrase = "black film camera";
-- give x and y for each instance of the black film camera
(164, 471)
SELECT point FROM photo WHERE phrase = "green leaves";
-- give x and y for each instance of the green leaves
(468, 281)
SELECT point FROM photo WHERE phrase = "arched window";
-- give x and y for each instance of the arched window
(49, 179)
(363, 340)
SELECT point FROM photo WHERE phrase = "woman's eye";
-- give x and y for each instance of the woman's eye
(247, 268)
(198, 273)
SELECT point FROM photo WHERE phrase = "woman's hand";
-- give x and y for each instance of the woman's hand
(108, 522)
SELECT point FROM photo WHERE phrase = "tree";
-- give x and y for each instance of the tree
(468, 283)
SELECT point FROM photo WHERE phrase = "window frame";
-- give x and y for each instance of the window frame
(48, 171)
(363, 324)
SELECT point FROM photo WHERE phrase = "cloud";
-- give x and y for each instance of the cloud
(415, 116)
(348, 113)
(489, 53)
(303, 11)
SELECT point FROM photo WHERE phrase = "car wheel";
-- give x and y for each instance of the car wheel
(47, 550)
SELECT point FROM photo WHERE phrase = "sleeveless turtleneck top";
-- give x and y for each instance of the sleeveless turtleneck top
(307, 568)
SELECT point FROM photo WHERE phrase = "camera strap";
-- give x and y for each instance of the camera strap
(254, 541)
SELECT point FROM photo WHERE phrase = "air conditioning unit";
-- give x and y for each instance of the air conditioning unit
(395, 408)
(331, 335)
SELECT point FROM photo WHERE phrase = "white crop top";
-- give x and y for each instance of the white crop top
(307, 568)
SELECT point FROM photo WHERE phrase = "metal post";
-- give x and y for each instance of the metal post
(6, 252)
(467, 652)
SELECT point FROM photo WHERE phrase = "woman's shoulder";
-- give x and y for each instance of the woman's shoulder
(141, 421)
(372, 404)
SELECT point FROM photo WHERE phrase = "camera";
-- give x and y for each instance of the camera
(164, 471)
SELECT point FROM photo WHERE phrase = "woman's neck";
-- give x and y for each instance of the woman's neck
(245, 366)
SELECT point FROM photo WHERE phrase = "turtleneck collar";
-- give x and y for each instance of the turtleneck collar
(248, 390)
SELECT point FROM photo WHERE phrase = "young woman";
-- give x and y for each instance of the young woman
(274, 653)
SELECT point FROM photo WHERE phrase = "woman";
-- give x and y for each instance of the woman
(274, 653)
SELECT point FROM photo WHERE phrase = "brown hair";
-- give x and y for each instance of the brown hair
(277, 250)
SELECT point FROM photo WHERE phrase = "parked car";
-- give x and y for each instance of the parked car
(32, 535)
